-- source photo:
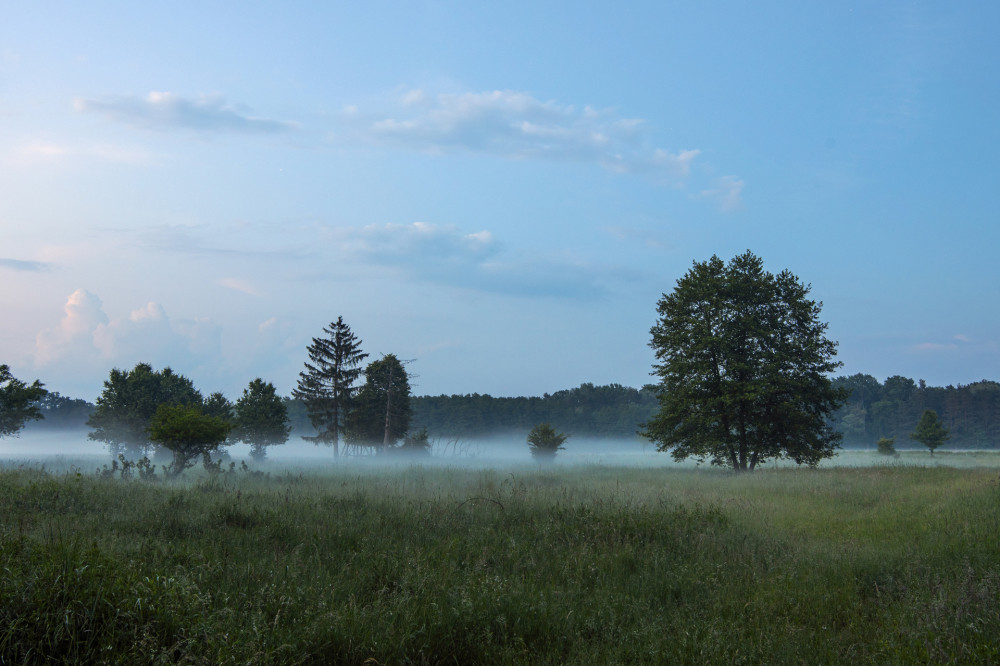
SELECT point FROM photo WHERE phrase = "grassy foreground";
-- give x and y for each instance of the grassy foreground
(570, 565)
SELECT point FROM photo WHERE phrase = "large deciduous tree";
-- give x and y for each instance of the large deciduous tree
(19, 402)
(128, 402)
(326, 386)
(261, 418)
(381, 416)
(743, 361)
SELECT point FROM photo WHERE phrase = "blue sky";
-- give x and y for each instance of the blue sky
(500, 193)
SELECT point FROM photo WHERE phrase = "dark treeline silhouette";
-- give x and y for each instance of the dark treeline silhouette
(62, 413)
(892, 408)
(588, 411)
(970, 413)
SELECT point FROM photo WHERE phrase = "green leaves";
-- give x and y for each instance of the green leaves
(743, 361)
(929, 431)
(544, 441)
(18, 402)
(261, 418)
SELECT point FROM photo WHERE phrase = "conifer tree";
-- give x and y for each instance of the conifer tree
(326, 386)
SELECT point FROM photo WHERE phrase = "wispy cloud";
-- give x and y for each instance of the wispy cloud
(47, 151)
(165, 111)
(727, 191)
(19, 265)
(956, 342)
(427, 244)
(446, 255)
(237, 284)
(517, 125)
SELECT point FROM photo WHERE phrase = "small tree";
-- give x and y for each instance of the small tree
(886, 446)
(18, 402)
(544, 441)
(188, 433)
(261, 418)
(929, 431)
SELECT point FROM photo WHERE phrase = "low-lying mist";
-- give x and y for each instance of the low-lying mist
(63, 448)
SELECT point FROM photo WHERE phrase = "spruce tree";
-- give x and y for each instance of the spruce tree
(326, 386)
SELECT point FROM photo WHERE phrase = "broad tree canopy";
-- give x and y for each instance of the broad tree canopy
(128, 402)
(19, 402)
(743, 363)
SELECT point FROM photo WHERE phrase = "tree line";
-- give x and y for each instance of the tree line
(873, 410)
(892, 409)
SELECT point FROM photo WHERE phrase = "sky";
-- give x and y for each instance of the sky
(497, 192)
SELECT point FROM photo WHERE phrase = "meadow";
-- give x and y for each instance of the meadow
(358, 563)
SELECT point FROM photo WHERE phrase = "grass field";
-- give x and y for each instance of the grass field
(893, 563)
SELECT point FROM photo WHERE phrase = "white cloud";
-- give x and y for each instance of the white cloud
(727, 191)
(166, 110)
(83, 315)
(87, 338)
(517, 125)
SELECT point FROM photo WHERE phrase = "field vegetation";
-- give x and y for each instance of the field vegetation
(562, 564)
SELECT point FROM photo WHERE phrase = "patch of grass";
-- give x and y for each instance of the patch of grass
(889, 564)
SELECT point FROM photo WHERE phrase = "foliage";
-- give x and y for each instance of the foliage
(381, 416)
(598, 565)
(218, 405)
(887, 446)
(742, 360)
(19, 402)
(188, 433)
(327, 384)
(128, 402)
(610, 411)
(893, 408)
(544, 441)
(929, 431)
(61, 412)
(261, 418)
(417, 444)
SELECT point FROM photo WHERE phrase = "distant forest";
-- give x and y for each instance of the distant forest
(874, 409)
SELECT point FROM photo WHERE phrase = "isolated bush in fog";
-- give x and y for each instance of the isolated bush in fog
(544, 441)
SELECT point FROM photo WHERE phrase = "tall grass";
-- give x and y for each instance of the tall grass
(566, 565)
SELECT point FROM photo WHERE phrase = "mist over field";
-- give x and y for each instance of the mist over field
(65, 449)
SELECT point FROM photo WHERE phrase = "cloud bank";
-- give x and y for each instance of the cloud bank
(87, 337)
(165, 110)
(517, 125)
